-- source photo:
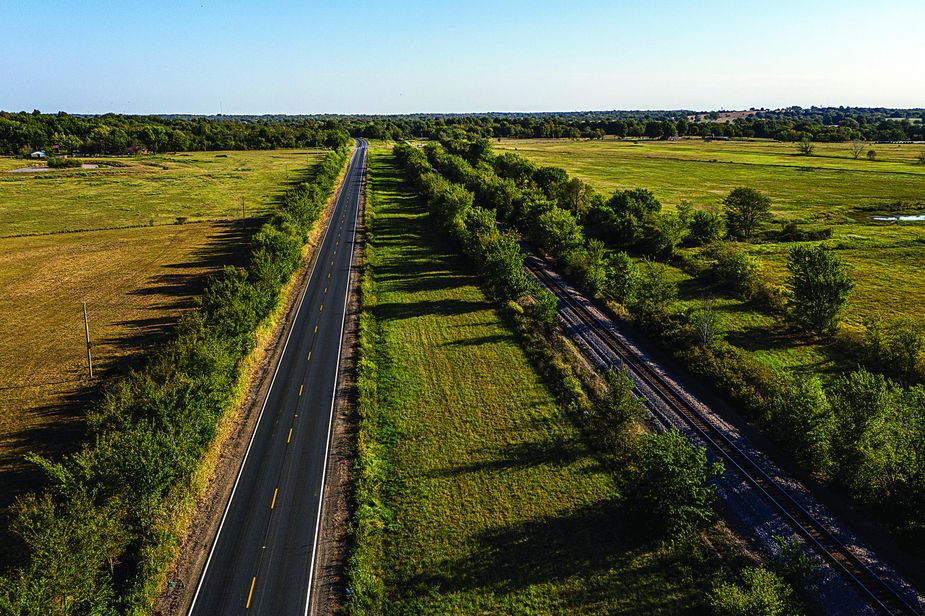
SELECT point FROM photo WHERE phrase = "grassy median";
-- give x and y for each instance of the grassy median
(475, 492)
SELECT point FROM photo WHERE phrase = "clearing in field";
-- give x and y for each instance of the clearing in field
(136, 281)
(495, 503)
(829, 189)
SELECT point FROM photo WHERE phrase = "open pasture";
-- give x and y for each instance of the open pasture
(828, 189)
(144, 190)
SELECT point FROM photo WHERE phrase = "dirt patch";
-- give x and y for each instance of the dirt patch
(197, 541)
(332, 549)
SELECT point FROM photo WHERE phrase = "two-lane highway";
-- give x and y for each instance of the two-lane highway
(262, 558)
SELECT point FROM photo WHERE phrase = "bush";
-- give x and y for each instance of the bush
(764, 594)
(705, 227)
(57, 162)
(736, 373)
(735, 270)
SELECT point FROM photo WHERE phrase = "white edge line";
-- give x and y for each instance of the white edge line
(324, 467)
(218, 533)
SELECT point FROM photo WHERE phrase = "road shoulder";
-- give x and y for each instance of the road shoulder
(234, 436)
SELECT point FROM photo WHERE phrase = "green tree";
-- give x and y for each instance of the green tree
(557, 232)
(745, 209)
(545, 308)
(623, 282)
(802, 417)
(668, 484)
(736, 270)
(707, 322)
(820, 287)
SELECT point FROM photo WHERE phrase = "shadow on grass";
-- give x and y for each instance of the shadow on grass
(59, 431)
(61, 427)
(514, 456)
(597, 544)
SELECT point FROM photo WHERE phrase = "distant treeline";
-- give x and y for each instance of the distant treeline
(794, 124)
(21, 133)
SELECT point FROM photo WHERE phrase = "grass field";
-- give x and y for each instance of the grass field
(145, 190)
(495, 504)
(887, 260)
(136, 281)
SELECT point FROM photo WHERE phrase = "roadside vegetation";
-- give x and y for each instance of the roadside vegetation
(100, 536)
(516, 482)
(860, 426)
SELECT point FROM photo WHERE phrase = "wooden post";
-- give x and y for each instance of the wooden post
(87, 331)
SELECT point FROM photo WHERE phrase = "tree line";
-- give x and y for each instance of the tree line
(21, 133)
(100, 537)
(863, 430)
(122, 134)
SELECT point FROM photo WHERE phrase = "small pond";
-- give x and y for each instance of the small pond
(901, 218)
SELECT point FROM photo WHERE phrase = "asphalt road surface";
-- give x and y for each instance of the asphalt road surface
(263, 556)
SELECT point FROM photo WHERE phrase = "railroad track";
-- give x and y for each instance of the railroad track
(880, 595)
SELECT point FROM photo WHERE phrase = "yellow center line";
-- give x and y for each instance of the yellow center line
(309, 356)
(316, 329)
(289, 438)
(273, 504)
(325, 289)
(251, 593)
(300, 389)
(329, 274)
(321, 309)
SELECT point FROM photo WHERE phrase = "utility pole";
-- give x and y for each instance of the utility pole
(87, 331)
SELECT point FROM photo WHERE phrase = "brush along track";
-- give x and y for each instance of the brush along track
(874, 589)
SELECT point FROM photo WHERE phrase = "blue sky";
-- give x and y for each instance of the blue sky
(412, 56)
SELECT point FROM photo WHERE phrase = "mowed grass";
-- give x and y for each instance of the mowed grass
(495, 503)
(146, 190)
(886, 260)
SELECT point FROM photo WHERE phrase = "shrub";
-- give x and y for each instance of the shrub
(764, 594)
(705, 227)
(57, 162)
(735, 270)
